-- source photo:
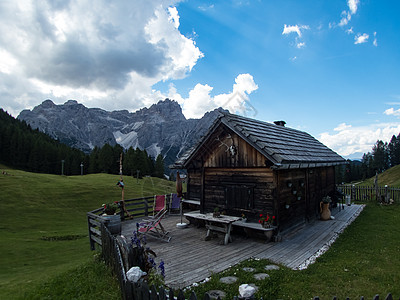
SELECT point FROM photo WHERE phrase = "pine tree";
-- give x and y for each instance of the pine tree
(159, 166)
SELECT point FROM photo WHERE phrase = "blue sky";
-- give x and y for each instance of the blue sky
(331, 68)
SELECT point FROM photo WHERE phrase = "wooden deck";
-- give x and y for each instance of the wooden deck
(189, 258)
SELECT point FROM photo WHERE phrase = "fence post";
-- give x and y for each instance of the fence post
(92, 244)
(386, 194)
(146, 207)
(353, 193)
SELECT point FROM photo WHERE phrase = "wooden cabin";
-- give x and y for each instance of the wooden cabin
(246, 166)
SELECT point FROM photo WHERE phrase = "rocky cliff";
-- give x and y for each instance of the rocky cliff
(162, 128)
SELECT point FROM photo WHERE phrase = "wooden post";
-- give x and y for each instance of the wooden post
(121, 184)
(386, 194)
(376, 187)
(178, 184)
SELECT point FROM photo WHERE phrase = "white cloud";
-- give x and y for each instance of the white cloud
(348, 140)
(361, 38)
(346, 17)
(392, 112)
(350, 30)
(173, 16)
(206, 8)
(300, 45)
(96, 53)
(353, 5)
(200, 101)
(298, 29)
(375, 42)
(287, 29)
(342, 126)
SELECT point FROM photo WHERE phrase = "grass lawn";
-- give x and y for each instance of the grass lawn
(364, 261)
(390, 177)
(43, 229)
(44, 248)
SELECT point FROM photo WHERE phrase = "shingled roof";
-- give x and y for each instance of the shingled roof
(284, 147)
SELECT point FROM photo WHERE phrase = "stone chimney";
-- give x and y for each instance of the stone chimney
(280, 123)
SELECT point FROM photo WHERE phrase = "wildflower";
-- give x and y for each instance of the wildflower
(162, 269)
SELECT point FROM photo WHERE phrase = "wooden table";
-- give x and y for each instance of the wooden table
(220, 224)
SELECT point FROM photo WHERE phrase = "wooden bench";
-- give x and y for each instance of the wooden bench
(252, 226)
(191, 202)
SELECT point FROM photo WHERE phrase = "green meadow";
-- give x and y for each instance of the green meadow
(390, 177)
(44, 247)
(44, 235)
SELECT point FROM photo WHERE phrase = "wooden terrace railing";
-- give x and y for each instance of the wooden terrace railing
(370, 193)
(137, 207)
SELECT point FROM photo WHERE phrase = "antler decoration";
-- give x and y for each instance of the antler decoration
(231, 149)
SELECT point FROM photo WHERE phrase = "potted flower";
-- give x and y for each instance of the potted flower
(110, 208)
(216, 212)
(324, 207)
(110, 219)
(266, 220)
(244, 218)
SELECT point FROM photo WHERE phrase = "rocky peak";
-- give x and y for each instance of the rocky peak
(162, 128)
(48, 104)
(71, 102)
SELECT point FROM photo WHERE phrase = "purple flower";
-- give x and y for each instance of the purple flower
(162, 269)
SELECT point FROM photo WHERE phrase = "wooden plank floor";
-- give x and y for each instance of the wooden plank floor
(189, 258)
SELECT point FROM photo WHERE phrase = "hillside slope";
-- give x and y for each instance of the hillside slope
(43, 225)
(391, 177)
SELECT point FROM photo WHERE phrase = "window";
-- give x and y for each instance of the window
(239, 196)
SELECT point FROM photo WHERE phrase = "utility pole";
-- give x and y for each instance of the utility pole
(62, 167)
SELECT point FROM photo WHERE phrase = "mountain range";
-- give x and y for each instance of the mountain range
(160, 129)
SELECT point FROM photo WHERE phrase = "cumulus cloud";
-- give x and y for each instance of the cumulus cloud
(392, 112)
(298, 29)
(349, 141)
(200, 99)
(353, 5)
(361, 38)
(342, 126)
(100, 52)
(287, 29)
(346, 15)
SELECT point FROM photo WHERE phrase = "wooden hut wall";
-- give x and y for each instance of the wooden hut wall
(217, 152)
(194, 183)
(292, 197)
(234, 180)
(240, 190)
(302, 190)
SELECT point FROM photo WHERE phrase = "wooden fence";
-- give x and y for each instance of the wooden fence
(137, 207)
(121, 256)
(370, 193)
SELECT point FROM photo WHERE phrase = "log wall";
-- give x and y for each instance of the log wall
(255, 185)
